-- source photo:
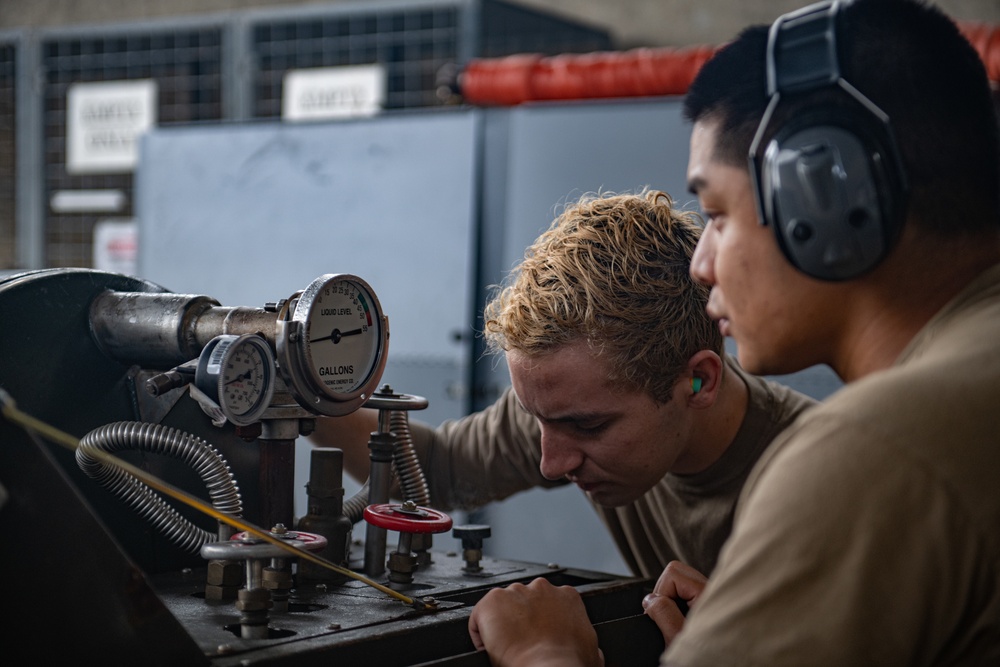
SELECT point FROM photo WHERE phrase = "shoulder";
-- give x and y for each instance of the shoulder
(833, 513)
(503, 421)
(774, 401)
(899, 439)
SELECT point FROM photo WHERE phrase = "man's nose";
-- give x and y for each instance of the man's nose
(703, 260)
(560, 455)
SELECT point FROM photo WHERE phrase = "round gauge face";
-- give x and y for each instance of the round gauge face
(243, 371)
(244, 377)
(344, 337)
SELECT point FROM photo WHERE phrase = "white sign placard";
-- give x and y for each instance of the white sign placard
(103, 124)
(333, 92)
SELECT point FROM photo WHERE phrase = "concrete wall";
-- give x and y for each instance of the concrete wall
(632, 22)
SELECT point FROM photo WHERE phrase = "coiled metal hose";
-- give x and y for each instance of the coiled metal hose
(405, 466)
(404, 460)
(202, 457)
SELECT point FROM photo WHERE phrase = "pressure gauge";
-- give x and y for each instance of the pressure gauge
(237, 372)
(332, 344)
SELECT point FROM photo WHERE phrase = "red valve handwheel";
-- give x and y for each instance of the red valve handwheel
(406, 520)
(310, 541)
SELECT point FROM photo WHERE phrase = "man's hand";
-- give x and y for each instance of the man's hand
(679, 585)
(535, 625)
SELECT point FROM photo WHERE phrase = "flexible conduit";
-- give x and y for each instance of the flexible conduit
(158, 439)
(354, 507)
(519, 78)
(405, 465)
(404, 460)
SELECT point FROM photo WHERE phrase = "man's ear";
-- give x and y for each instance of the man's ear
(703, 378)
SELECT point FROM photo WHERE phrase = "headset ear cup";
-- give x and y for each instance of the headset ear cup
(824, 191)
(829, 177)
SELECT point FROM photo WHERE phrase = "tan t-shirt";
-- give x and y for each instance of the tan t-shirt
(495, 453)
(870, 533)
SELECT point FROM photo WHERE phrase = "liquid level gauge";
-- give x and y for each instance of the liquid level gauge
(332, 347)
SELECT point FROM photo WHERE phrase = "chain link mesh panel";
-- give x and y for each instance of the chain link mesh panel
(186, 66)
(418, 44)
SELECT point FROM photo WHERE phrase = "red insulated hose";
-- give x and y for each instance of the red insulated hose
(986, 40)
(639, 72)
(525, 77)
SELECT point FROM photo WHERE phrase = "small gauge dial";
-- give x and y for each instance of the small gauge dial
(332, 351)
(238, 373)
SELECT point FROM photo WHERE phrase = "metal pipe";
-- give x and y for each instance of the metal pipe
(381, 445)
(161, 330)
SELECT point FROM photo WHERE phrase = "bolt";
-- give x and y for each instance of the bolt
(249, 432)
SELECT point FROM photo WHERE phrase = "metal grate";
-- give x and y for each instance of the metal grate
(416, 44)
(508, 29)
(412, 45)
(198, 69)
(8, 155)
(186, 66)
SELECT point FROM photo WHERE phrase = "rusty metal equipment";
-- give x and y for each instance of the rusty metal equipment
(113, 359)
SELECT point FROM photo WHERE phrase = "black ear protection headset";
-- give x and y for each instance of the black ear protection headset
(830, 181)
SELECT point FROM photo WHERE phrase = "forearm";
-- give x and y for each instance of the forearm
(467, 462)
(349, 433)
